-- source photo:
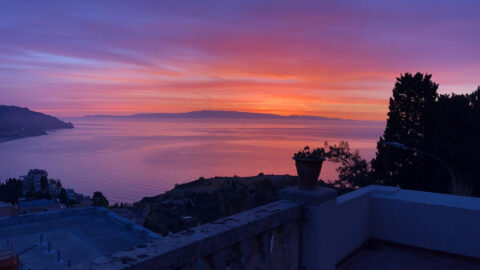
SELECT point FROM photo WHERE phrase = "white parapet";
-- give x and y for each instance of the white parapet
(433, 221)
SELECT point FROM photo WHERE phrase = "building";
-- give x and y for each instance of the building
(65, 239)
(54, 187)
(70, 194)
(35, 206)
(31, 181)
(376, 227)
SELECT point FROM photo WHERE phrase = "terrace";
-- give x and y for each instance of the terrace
(376, 227)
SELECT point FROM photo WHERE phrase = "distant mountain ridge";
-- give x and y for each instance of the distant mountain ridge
(215, 114)
(17, 122)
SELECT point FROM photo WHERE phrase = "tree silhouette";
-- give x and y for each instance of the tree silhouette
(11, 190)
(99, 200)
(452, 133)
(445, 126)
(63, 196)
(44, 183)
(413, 96)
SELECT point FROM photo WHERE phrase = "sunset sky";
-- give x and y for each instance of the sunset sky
(336, 59)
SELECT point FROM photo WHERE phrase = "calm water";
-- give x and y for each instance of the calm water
(130, 159)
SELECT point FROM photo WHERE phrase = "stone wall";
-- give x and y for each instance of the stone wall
(266, 237)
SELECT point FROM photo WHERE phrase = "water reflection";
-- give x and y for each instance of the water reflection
(130, 159)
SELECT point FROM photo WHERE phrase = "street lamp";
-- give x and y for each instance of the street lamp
(439, 160)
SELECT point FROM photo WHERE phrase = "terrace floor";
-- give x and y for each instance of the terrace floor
(386, 256)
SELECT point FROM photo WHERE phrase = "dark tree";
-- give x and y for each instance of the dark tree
(446, 127)
(452, 133)
(413, 96)
(63, 196)
(44, 183)
(11, 190)
(99, 200)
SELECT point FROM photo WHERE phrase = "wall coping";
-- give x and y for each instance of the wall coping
(431, 198)
(423, 197)
(170, 252)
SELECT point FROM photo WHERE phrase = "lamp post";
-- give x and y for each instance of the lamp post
(439, 160)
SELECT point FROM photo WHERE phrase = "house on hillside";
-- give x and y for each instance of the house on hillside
(31, 181)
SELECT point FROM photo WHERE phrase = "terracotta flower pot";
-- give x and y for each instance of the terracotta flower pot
(308, 171)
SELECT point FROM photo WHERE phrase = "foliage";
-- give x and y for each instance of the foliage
(206, 200)
(44, 183)
(234, 197)
(11, 190)
(306, 154)
(353, 172)
(63, 196)
(99, 200)
(452, 133)
(413, 96)
(445, 126)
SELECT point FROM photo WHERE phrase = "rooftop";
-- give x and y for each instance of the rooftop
(80, 234)
(37, 172)
(314, 229)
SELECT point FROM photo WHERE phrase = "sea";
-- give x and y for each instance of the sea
(128, 159)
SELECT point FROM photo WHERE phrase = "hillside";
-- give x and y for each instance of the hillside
(208, 199)
(205, 200)
(16, 123)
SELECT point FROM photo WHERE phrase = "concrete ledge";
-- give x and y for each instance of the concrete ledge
(372, 189)
(193, 244)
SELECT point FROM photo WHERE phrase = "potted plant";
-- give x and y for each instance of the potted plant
(309, 164)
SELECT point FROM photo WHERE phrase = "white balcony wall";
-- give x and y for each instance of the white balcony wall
(353, 222)
(427, 220)
(433, 221)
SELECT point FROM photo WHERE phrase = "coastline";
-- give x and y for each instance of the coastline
(21, 136)
(38, 133)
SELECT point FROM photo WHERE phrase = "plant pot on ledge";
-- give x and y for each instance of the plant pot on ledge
(309, 165)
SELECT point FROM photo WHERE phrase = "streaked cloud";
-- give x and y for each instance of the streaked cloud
(335, 59)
